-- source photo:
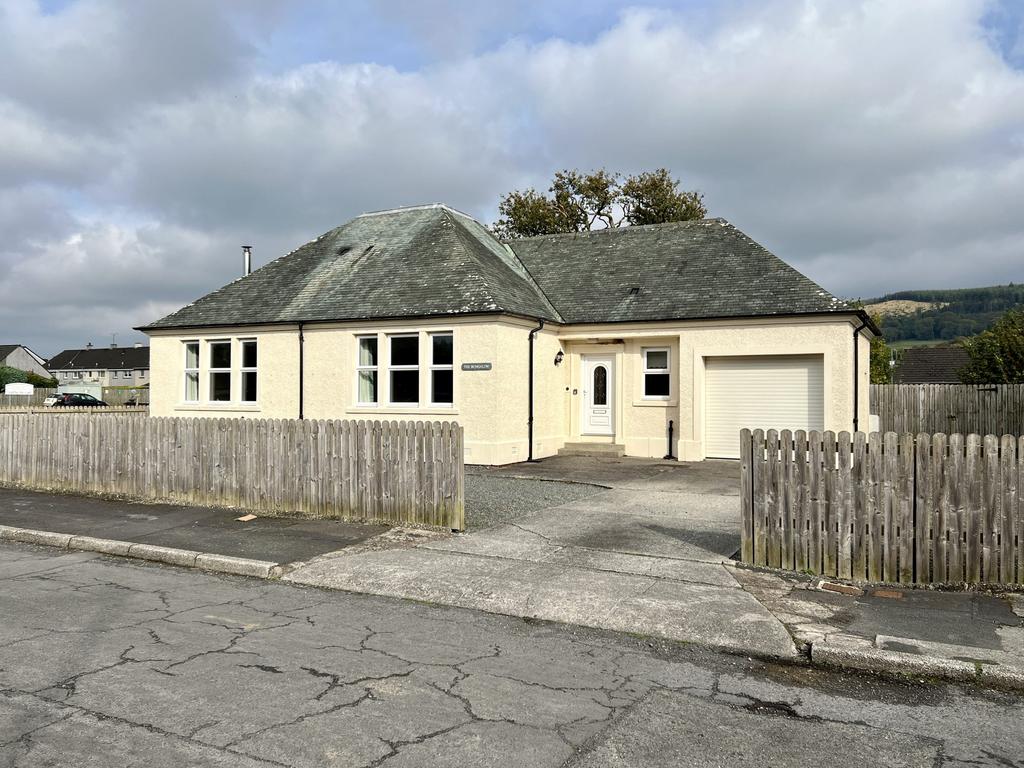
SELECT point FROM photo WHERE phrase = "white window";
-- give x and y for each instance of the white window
(366, 370)
(657, 382)
(220, 371)
(191, 371)
(442, 356)
(249, 377)
(404, 369)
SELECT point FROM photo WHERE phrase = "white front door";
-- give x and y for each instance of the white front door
(598, 395)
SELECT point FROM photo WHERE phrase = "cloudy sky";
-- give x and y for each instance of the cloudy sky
(876, 145)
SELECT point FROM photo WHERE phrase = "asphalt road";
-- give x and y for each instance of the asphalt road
(113, 662)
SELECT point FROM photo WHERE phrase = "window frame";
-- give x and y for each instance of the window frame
(211, 371)
(186, 370)
(392, 368)
(441, 367)
(243, 370)
(646, 370)
(375, 368)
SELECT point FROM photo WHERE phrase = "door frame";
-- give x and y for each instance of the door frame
(586, 360)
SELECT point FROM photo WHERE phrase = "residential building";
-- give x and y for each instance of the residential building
(929, 365)
(24, 359)
(614, 338)
(111, 366)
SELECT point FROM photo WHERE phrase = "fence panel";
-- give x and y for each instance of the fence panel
(899, 508)
(986, 409)
(403, 474)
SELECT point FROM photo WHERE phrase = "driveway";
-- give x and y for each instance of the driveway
(660, 508)
(648, 554)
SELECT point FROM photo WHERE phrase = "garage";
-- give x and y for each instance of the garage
(760, 392)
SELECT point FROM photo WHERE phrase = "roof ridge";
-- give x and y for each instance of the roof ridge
(606, 231)
(523, 272)
(422, 207)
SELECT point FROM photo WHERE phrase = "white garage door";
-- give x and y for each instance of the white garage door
(763, 392)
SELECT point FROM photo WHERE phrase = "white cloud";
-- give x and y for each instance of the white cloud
(876, 145)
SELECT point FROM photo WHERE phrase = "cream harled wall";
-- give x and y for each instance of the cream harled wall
(642, 427)
(492, 405)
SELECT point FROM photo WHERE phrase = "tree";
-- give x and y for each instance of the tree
(579, 202)
(9, 375)
(997, 354)
(881, 353)
(46, 382)
(654, 198)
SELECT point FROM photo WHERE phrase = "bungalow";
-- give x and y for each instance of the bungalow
(592, 341)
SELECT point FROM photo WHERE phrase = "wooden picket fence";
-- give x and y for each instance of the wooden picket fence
(983, 409)
(899, 508)
(388, 472)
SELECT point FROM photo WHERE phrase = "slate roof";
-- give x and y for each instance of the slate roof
(930, 365)
(691, 269)
(433, 260)
(100, 358)
(410, 262)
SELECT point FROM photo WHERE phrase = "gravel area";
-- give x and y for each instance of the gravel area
(498, 500)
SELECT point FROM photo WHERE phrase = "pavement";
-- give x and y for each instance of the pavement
(114, 661)
(967, 636)
(279, 540)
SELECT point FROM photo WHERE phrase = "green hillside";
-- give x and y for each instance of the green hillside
(943, 315)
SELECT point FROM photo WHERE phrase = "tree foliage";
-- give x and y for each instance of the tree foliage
(960, 312)
(579, 202)
(9, 375)
(45, 382)
(881, 352)
(997, 354)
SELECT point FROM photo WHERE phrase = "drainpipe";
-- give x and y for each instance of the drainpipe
(529, 420)
(856, 372)
(302, 388)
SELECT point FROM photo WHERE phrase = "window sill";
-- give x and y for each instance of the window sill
(247, 407)
(655, 403)
(426, 410)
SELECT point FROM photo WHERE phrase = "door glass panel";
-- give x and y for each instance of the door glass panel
(600, 385)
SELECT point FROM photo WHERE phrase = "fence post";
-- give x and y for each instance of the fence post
(746, 498)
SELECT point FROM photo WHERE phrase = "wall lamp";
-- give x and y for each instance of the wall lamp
(559, 356)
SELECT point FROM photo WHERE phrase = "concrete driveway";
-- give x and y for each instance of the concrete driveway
(649, 555)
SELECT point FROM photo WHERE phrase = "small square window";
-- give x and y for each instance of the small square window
(220, 387)
(657, 375)
(220, 354)
(405, 350)
(405, 386)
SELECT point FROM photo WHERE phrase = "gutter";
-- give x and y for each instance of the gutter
(864, 323)
(529, 420)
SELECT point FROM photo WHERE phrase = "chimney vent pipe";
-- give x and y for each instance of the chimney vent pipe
(247, 260)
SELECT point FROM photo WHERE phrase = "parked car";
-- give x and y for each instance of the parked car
(78, 399)
(52, 400)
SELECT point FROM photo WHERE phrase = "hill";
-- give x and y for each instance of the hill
(943, 315)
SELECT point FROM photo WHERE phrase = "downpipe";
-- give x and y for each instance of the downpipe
(529, 418)
(856, 374)
(302, 372)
